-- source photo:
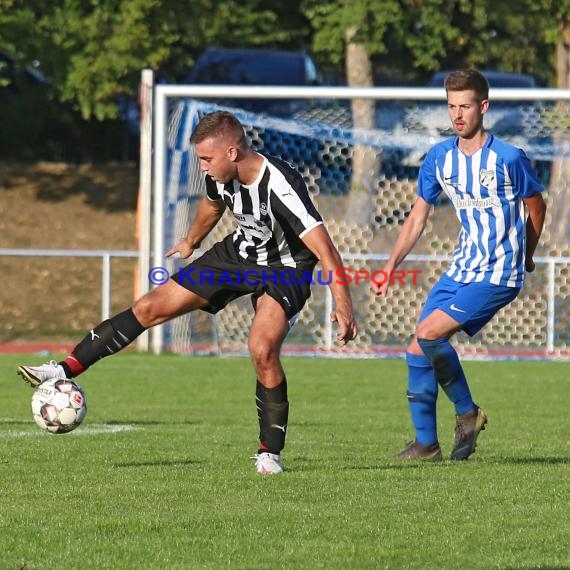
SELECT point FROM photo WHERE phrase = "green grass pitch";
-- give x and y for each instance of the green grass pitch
(159, 474)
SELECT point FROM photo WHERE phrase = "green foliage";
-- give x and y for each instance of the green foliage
(172, 487)
(105, 44)
(369, 19)
(94, 50)
(430, 31)
(512, 39)
(17, 19)
(416, 37)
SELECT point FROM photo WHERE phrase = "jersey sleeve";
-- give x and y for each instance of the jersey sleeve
(294, 207)
(428, 186)
(523, 176)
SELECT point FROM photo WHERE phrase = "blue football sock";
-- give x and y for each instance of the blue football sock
(449, 373)
(422, 397)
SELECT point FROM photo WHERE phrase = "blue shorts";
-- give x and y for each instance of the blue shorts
(472, 305)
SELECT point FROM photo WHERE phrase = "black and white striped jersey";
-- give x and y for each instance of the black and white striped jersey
(273, 214)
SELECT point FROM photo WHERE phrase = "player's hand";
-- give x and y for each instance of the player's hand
(381, 288)
(182, 248)
(529, 265)
(347, 328)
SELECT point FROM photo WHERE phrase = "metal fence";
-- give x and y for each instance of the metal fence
(553, 327)
(105, 254)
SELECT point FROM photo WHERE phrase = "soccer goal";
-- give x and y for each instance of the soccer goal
(359, 151)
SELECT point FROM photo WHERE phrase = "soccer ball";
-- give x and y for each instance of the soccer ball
(59, 406)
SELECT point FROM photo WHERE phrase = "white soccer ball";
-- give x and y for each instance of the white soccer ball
(59, 406)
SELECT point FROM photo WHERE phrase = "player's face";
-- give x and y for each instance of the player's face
(217, 158)
(466, 112)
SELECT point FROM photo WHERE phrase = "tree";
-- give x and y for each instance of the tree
(352, 31)
(559, 34)
(94, 51)
(17, 20)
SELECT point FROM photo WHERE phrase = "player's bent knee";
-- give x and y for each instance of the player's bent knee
(148, 311)
(263, 351)
(426, 331)
(142, 312)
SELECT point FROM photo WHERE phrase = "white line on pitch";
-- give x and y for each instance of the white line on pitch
(90, 429)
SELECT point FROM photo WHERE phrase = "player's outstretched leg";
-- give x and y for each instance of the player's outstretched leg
(422, 397)
(471, 419)
(105, 339)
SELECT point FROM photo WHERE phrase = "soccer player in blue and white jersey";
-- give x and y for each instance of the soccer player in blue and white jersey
(489, 182)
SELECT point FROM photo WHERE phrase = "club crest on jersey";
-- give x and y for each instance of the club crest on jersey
(486, 177)
(263, 208)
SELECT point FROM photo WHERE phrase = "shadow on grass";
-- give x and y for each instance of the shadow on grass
(163, 463)
(538, 567)
(395, 464)
(533, 461)
(304, 463)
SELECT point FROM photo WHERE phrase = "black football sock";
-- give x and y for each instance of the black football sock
(105, 339)
(273, 414)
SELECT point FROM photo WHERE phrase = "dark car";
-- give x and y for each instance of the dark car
(496, 79)
(225, 66)
(12, 77)
(260, 67)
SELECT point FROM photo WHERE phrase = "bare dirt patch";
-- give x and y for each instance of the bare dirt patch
(60, 206)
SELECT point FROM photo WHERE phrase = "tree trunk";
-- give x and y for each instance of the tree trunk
(559, 191)
(365, 162)
(563, 61)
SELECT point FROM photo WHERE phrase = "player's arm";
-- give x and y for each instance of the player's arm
(410, 233)
(534, 224)
(319, 242)
(208, 214)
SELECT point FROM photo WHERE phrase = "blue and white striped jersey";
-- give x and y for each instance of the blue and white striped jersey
(486, 190)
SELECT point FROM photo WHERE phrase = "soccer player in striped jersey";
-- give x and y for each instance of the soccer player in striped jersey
(489, 182)
(271, 255)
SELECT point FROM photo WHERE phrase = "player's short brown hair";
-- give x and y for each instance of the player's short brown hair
(220, 124)
(468, 80)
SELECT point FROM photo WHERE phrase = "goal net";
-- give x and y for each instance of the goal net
(363, 181)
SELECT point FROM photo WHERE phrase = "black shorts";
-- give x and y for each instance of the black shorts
(221, 275)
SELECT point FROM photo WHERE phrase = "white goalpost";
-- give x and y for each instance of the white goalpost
(335, 156)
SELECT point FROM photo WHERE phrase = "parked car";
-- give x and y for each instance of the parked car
(224, 66)
(496, 79)
(12, 77)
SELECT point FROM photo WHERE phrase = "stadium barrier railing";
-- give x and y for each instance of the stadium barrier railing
(104, 254)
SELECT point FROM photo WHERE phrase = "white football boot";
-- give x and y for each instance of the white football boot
(35, 375)
(268, 463)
